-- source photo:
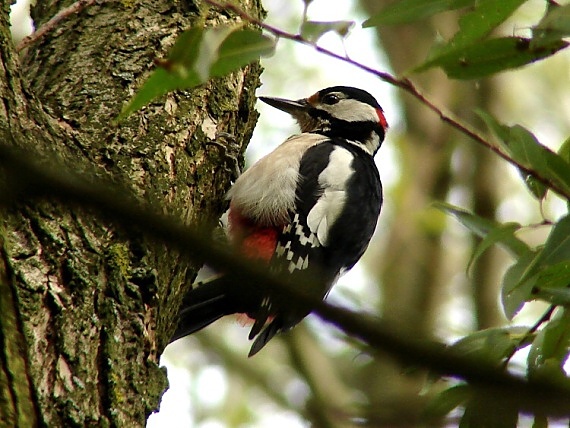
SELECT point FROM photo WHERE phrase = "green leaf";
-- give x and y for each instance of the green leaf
(490, 56)
(492, 345)
(550, 349)
(555, 25)
(172, 74)
(184, 53)
(197, 55)
(479, 23)
(518, 284)
(159, 83)
(526, 149)
(405, 11)
(553, 265)
(468, 56)
(537, 189)
(314, 30)
(447, 400)
(554, 296)
(208, 52)
(557, 246)
(521, 279)
(502, 132)
(481, 227)
(240, 48)
(501, 233)
(555, 276)
(564, 150)
(564, 153)
(523, 147)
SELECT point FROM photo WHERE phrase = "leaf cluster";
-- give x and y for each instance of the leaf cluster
(473, 52)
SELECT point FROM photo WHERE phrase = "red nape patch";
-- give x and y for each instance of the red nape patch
(382, 118)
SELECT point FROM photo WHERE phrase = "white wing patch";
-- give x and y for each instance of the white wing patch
(333, 180)
(291, 251)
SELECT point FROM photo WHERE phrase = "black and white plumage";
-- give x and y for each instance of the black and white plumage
(312, 203)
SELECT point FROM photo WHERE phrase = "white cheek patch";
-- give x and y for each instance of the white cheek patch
(352, 111)
(333, 180)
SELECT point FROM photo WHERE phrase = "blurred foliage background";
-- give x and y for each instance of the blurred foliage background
(415, 271)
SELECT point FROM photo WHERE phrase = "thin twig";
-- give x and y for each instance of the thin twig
(52, 24)
(402, 83)
(28, 180)
(532, 329)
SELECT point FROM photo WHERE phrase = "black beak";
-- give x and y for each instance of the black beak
(289, 106)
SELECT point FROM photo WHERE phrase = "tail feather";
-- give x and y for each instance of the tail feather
(202, 306)
(212, 300)
(261, 318)
(265, 336)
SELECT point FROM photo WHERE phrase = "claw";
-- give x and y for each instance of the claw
(228, 150)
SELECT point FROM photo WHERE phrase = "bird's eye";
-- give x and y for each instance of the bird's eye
(330, 99)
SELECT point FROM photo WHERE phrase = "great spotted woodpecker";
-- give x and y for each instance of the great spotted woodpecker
(312, 202)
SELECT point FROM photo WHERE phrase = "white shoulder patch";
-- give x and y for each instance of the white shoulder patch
(266, 191)
(333, 180)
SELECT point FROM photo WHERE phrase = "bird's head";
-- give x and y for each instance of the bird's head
(339, 111)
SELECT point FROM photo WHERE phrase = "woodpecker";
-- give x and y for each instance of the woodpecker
(311, 203)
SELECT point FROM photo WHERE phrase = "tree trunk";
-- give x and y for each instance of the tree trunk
(86, 307)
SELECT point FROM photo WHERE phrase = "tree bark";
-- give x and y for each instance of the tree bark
(87, 308)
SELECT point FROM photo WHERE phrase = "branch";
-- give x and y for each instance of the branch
(529, 333)
(402, 83)
(29, 180)
(52, 24)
